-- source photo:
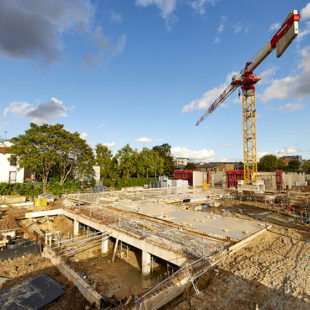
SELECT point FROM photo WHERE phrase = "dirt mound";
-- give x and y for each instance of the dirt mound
(256, 273)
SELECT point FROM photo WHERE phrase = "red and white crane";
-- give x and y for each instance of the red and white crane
(247, 79)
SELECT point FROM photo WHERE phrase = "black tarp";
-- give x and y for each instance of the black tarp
(19, 248)
(33, 293)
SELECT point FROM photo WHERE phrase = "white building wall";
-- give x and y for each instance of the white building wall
(6, 168)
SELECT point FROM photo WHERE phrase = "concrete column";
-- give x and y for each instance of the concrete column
(105, 246)
(146, 263)
(76, 227)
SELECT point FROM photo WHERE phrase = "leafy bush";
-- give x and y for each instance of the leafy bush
(27, 189)
(33, 189)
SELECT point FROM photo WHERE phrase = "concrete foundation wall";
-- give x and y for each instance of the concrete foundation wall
(89, 293)
(289, 179)
(269, 179)
(218, 177)
(199, 178)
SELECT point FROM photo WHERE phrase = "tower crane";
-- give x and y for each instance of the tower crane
(247, 79)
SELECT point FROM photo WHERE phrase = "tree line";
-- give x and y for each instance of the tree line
(272, 163)
(128, 162)
(52, 151)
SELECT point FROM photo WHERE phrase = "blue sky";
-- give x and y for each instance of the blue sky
(125, 71)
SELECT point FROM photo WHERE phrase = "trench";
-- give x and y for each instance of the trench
(114, 280)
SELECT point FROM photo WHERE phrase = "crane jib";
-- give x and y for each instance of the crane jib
(260, 56)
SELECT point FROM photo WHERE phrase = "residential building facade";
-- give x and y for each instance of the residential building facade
(10, 172)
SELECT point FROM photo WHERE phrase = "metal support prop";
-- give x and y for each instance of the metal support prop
(192, 280)
(249, 134)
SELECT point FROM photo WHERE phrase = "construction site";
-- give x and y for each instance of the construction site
(182, 248)
(236, 239)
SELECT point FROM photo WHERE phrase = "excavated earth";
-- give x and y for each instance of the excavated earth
(272, 267)
(246, 280)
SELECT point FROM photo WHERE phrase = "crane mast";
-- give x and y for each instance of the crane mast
(247, 79)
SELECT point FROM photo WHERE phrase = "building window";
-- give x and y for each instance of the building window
(13, 160)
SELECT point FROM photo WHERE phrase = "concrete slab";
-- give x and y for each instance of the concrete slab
(227, 226)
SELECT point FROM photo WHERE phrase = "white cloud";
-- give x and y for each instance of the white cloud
(221, 27)
(203, 155)
(261, 154)
(144, 140)
(17, 108)
(45, 112)
(106, 48)
(83, 135)
(289, 151)
(237, 27)
(289, 107)
(200, 5)
(238, 100)
(303, 32)
(101, 125)
(208, 97)
(297, 85)
(42, 25)
(116, 17)
(274, 27)
(109, 145)
(305, 12)
(224, 160)
(217, 40)
(39, 26)
(42, 113)
(267, 74)
(166, 7)
(226, 145)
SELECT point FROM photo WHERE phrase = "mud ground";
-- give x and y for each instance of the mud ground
(271, 267)
(22, 268)
(246, 280)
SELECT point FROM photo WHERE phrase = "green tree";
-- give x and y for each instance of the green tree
(125, 160)
(164, 151)
(293, 165)
(281, 165)
(268, 163)
(74, 156)
(104, 160)
(190, 166)
(114, 172)
(147, 161)
(36, 149)
(159, 164)
(46, 148)
(306, 167)
(240, 165)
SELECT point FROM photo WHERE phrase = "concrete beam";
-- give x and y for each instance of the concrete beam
(105, 246)
(142, 244)
(76, 227)
(146, 263)
(35, 214)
